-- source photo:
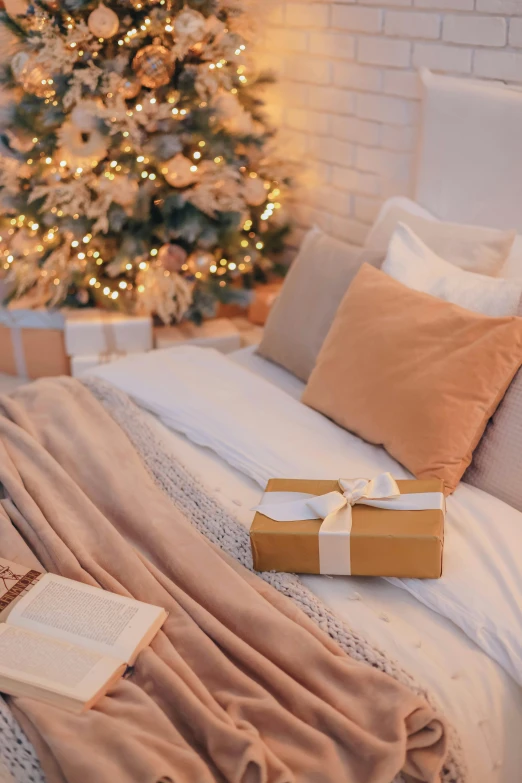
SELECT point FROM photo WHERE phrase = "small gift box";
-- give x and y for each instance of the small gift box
(94, 336)
(359, 527)
(32, 342)
(262, 301)
(93, 331)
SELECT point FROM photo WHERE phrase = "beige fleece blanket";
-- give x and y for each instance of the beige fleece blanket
(239, 686)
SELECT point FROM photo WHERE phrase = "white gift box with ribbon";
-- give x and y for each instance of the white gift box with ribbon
(91, 332)
(335, 510)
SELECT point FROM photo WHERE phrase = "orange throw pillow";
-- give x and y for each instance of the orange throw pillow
(413, 373)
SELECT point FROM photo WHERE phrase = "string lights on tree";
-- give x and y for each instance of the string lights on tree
(136, 170)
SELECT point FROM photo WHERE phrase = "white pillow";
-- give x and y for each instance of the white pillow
(474, 248)
(411, 262)
(381, 233)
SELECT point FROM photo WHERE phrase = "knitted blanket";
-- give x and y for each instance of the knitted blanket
(220, 528)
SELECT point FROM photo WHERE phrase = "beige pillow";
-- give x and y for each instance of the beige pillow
(497, 461)
(473, 248)
(413, 373)
(304, 311)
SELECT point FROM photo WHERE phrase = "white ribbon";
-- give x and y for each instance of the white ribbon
(16, 341)
(18, 352)
(335, 509)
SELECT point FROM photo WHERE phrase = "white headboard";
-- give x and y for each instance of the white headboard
(470, 158)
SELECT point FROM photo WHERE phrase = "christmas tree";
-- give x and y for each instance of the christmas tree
(136, 167)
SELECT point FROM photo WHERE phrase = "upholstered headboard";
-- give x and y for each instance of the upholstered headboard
(470, 158)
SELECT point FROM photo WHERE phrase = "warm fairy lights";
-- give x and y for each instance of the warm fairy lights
(151, 147)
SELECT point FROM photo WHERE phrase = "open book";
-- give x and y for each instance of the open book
(64, 642)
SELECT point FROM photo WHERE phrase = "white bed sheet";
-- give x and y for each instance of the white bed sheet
(480, 699)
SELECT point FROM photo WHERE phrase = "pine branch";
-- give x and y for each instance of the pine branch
(12, 25)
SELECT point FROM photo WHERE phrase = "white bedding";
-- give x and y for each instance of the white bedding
(263, 432)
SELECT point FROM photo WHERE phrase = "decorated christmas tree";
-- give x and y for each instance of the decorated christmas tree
(137, 169)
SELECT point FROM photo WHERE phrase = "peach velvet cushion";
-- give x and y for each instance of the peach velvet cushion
(414, 373)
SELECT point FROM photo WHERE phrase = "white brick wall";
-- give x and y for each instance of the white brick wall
(347, 100)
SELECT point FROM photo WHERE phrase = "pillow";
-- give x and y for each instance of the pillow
(417, 375)
(497, 467)
(314, 286)
(474, 248)
(497, 464)
(376, 239)
(411, 262)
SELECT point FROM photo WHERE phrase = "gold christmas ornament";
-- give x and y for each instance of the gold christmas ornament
(153, 66)
(31, 75)
(172, 257)
(179, 171)
(190, 25)
(103, 22)
(199, 263)
(130, 88)
(254, 191)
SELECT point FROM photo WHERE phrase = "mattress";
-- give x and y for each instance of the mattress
(479, 698)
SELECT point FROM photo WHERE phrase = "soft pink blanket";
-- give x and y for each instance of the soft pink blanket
(239, 686)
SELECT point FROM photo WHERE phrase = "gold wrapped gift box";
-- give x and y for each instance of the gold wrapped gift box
(43, 352)
(382, 542)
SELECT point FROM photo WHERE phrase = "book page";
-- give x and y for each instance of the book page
(53, 665)
(15, 582)
(87, 616)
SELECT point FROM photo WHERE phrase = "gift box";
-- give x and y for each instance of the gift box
(218, 333)
(92, 331)
(94, 336)
(32, 343)
(355, 527)
(33, 353)
(262, 301)
(41, 342)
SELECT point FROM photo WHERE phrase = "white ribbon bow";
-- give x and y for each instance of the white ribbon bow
(364, 491)
(335, 509)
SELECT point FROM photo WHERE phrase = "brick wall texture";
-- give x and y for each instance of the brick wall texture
(347, 99)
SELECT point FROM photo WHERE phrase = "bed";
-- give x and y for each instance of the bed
(479, 697)
(232, 422)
